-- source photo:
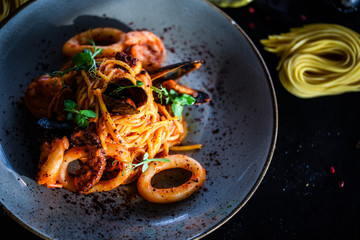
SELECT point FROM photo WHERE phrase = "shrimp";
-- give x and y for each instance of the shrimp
(44, 96)
(51, 158)
(174, 194)
(40, 93)
(147, 47)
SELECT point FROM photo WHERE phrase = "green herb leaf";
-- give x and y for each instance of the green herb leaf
(88, 113)
(70, 105)
(81, 121)
(185, 100)
(162, 94)
(146, 156)
(83, 60)
(146, 160)
(70, 116)
(120, 88)
(177, 109)
(145, 166)
(81, 117)
(178, 101)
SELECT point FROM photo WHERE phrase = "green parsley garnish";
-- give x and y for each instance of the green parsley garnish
(177, 101)
(145, 163)
(82, 61)
(86, 60)
(81, 116)
(146, 160)
(120, 88)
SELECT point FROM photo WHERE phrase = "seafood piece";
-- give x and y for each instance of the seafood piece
(40, 93)
(91, 177)
(134, 63)
(123, 106)
(147, 47)
(200, 96)
(51, 129)
(123, 66)
(56, 106)
(167, 75)
(51, 158)
(123, 97)
(121, 170)
(111, 40)
(174, 71)
(86, 137)
(92, 165)
(174, 194)
(91, 171)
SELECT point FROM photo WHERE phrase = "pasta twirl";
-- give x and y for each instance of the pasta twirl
(317, 59)
(126, 126)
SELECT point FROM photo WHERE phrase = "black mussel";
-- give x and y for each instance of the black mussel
(122, 106)
(174, 71)
(50, 128)
(201, 97)
(123, 97)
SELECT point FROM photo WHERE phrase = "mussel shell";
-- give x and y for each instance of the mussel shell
(120, 106)
(136, 94)
(49, 129)
(174, 71)
(201, 98)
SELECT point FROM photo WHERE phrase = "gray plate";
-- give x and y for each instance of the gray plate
(238, 129)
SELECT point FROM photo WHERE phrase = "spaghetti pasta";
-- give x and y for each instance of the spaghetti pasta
(317, 59)
(7, 6)
(122, 126)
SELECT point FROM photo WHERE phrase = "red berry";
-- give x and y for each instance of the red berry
(303, 17)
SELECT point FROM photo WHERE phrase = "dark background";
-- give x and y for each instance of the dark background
(300, 197)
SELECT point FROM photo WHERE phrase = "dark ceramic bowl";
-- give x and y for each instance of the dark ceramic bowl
(238, 129)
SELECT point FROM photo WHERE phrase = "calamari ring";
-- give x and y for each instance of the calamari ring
(122, 156)
(88, 175)
(79, 152)
(174, 194)
(72, 154)
(52, 156)
(111, 40)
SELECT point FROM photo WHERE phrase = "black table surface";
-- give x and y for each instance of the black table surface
(300, 197)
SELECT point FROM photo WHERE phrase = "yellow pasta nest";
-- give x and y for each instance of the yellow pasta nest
(317, 59)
